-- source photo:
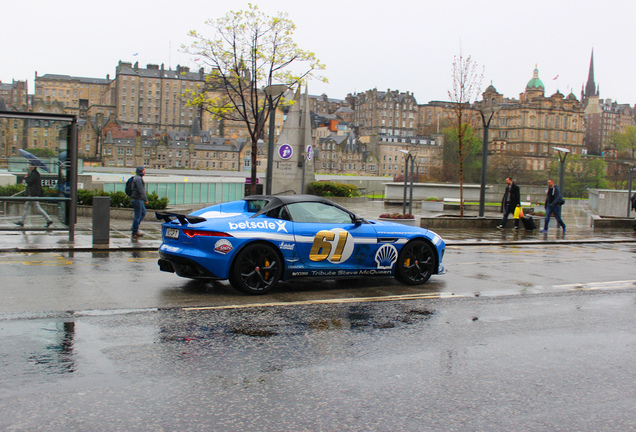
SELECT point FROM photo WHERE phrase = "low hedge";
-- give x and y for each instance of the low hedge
(120, 199)
(85, 197)
(330, 189)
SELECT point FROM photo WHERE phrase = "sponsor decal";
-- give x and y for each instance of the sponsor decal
(223, 246)
(218, 214)
(386, 256)
(328, 273)
(335, 246)
(281, 226)
(286, 246)
(263, 225)
(168, 248)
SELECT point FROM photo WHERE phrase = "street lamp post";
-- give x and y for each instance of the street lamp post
(273, 92)
(563, 153)
(408, 156)
(630, 170)
(487, 114)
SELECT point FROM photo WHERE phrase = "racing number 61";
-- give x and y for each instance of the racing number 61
(321, 248)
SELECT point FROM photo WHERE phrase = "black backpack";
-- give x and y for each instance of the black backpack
(129, 184)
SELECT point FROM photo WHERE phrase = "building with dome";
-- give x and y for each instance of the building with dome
(524, 131)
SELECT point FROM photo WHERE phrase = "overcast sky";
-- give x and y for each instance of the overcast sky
(405, 45)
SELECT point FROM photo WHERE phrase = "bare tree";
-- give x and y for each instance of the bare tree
(248, 52)
(466, 87)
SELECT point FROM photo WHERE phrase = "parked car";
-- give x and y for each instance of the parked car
(260, 240)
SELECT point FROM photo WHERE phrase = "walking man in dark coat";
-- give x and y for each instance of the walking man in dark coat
(510, 201)
(139, 200)
(34, 189)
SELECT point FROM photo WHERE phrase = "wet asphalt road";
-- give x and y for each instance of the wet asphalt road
(512, 338)
(47, 283)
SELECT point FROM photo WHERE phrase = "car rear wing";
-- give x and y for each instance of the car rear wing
(183, 219)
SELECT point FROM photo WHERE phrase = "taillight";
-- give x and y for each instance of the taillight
(193, 233)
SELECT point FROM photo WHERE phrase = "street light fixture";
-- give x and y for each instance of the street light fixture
(408, 156)
(273, 93)
(487, 114)
(563, 153)
(630, 169)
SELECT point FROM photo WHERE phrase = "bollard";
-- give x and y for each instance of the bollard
(101, 220)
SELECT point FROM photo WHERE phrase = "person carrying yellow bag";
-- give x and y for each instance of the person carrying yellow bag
(518, 214)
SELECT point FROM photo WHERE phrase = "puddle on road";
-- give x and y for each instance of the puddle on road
(36, 347)
(58, 356)
(267, 323)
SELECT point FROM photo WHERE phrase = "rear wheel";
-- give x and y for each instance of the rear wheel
(416, 263)
(257, 268)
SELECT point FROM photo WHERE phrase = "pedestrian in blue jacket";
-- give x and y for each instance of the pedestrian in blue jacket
(553, 203)
(139, 200)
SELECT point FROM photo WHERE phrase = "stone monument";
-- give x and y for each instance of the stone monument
(293, 154)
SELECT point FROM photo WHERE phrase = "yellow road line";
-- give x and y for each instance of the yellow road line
(328, 301)
(566, 287)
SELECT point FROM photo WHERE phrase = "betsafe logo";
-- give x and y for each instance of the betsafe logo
(278, 226)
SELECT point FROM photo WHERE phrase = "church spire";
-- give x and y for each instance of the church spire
(590, 87)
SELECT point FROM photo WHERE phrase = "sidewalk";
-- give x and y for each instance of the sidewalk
(575, 216)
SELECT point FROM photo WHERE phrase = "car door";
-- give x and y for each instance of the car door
(329, 240)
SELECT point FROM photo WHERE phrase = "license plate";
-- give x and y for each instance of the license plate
(172, 233)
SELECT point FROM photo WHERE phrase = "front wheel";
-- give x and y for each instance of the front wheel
(257, 268)
(416, 263)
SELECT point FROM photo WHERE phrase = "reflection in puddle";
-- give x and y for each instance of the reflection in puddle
(58, 357)
(270, 322)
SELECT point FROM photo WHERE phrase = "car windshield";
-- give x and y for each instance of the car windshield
(316, 212)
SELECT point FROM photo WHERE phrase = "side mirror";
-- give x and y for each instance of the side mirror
(358, 220)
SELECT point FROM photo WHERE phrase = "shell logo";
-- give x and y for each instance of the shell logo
(386, 256)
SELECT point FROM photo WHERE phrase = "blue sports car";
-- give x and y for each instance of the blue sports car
(260, 240)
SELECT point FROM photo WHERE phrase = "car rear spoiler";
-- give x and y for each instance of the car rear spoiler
(183, 219)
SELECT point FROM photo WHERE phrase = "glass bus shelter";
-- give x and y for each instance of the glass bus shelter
(48, 141)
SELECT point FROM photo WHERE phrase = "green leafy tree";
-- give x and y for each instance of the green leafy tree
(466, 87)
(625, 142)
(581, 174)
(248, 52)
(41, 152)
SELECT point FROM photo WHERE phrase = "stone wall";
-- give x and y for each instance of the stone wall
(494, 193)
(610, 203)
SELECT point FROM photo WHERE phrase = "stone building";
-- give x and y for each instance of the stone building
(196, 149)
(391, 113)
(433, 117)
(525, 130)
(427, 151)
(14, 96)
(75, 94)
(602, 119)
(153, 96)
(344, 154)
(325, 105)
